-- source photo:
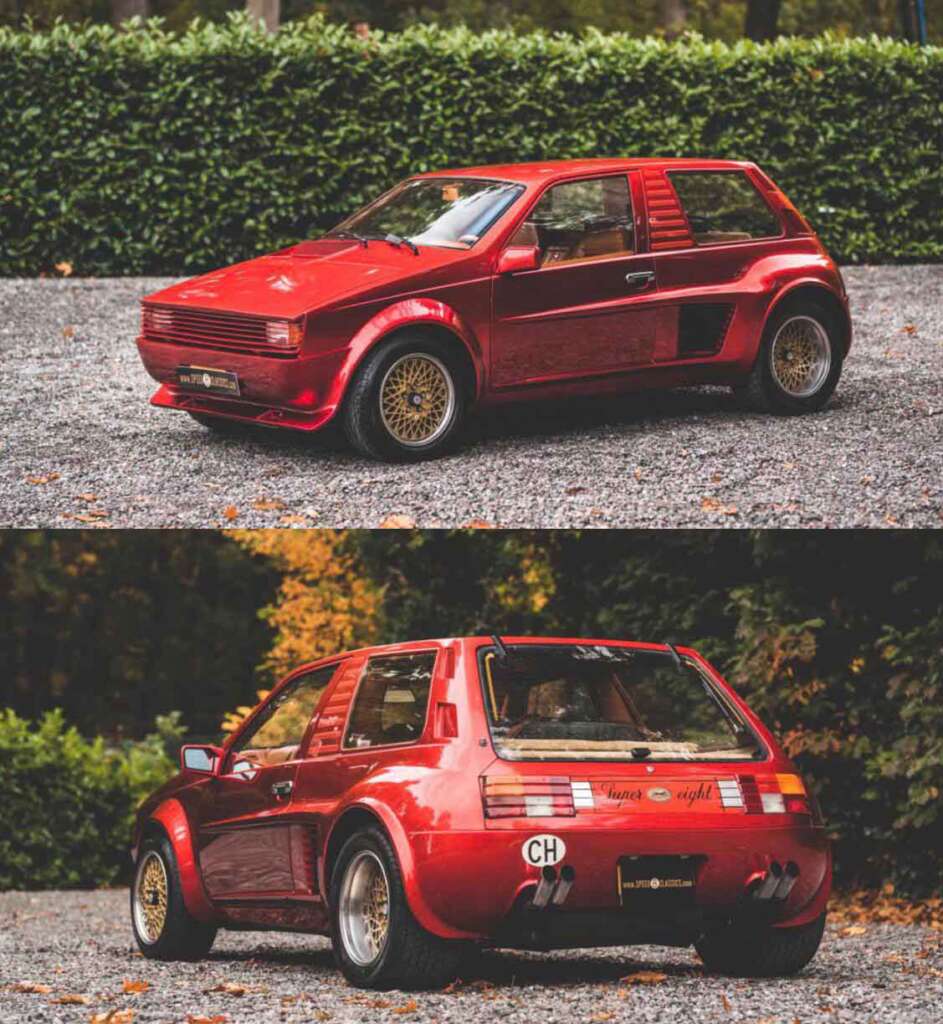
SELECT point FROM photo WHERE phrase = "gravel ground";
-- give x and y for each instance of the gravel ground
(81, 446)
(79, 944)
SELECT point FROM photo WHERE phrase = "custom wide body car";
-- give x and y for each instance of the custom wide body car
(494, 284)
(419, 801)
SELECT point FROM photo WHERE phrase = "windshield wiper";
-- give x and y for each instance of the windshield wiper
(399, 240)
(347, 233)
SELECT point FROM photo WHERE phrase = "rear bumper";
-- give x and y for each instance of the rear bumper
(476, 883)
(301, 393)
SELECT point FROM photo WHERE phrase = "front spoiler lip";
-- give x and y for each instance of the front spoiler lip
(241, 410)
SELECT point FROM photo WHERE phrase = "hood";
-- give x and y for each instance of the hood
(313, 275)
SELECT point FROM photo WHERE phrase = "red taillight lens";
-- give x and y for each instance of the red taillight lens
(778, 794)
(512, 796)
(797, 805)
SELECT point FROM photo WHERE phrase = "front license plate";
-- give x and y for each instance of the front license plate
(204, 378)
(651, 882)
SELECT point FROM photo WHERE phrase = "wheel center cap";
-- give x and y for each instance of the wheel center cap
(415, 399)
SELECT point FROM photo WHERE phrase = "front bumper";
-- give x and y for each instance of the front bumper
(299, 393)
(477, 883)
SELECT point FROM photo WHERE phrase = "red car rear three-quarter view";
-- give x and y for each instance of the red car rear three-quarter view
(466, 288)
(420, 801)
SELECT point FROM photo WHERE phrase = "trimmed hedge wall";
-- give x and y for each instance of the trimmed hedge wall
(142, 152)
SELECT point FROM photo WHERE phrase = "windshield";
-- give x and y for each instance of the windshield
(598, 703)
(449, 212)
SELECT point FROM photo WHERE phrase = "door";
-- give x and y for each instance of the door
(244, 826)
(586, 309)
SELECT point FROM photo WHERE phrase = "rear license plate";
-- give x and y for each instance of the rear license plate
(204, 378)
(656, 882)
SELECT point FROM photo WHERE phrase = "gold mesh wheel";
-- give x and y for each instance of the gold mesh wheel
(364, 911)
(801, 356)
(150, 897)
(417, 399)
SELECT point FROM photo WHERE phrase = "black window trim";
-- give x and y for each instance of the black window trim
(727, 708)
(774, 213)
(344, 748)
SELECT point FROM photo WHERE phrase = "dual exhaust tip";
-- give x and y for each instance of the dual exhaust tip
(551, 889)
(778, 882)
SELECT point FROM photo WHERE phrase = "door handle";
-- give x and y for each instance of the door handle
(640, 278)
(282, 789)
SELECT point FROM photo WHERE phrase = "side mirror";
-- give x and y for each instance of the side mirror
(196, 758)
(518, 257)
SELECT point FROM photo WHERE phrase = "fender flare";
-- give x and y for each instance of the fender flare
(782, 295)
(407, 313)
(172, 819)
(407, 864)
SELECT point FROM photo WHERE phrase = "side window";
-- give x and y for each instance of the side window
(723, 206)
(277, 733)
(391, 701)
(581, 220)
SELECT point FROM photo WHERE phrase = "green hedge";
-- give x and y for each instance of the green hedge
(68, 803)
(126, 153)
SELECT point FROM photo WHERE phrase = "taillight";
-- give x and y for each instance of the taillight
(156, 321)
(512, 796)
(778, 794)
(283, 333)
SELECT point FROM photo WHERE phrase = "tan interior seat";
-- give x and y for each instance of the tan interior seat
(599, 243)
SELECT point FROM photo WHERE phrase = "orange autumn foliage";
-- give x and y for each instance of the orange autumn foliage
(325, 603)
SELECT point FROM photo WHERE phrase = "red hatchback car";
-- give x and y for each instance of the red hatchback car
(494, 284)
(418, 801)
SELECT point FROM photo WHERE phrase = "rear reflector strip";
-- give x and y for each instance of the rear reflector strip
(730, 795)
(582, 796)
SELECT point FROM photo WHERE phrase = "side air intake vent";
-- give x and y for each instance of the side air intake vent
(702, 327)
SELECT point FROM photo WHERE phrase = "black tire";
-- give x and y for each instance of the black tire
(362, 417)
(759, 950)
(763, 392)
(182, 937)
(410, 957)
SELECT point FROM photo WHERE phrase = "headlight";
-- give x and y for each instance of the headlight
(283, 333)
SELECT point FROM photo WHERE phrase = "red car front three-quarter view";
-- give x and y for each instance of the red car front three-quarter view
(483, 285)
(419, 801)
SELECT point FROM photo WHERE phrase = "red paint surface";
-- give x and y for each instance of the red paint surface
(237, 842)
(562, 329)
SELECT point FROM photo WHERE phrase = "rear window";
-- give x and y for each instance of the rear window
(598, 703)
(391, 701)
(723, 206)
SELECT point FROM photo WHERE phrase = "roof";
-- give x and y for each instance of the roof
(537, 172)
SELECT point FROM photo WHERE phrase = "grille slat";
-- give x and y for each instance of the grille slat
(229, 332)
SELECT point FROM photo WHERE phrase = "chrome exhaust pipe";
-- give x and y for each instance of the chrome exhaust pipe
(769, 885)
(563, 887)
(790, 876)
(544, 888)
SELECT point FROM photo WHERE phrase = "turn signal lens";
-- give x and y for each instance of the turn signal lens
(510, 796)
(283, 333)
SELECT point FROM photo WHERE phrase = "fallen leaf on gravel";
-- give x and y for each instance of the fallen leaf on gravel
(853, 929)
(68, 332)
(453, 986)
(409, 1007)
(716, 478)
(478, 524)
(293, 521)
(909, 328)
(645, 978)
(725, 1001)
(575, 490)
(112, 1017)
(72, 1000)
(398, 522)
(713, 505)
(602, 1015)
(231, 988)
(86, 497)
(31, 986)
(46, 478)
(268, 505)
(136, 986)
(64, 268)
(322, 1015)
(231, 512)
(220, 1018)
(96, 517)
(891, 519)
